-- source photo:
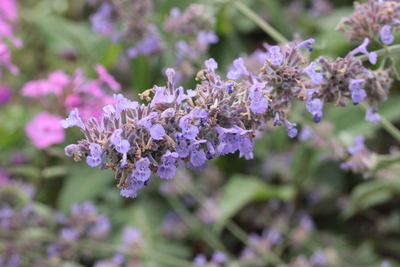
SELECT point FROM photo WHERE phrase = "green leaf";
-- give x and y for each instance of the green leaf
(83, 183)
(29, 171)
(244, 189)
(369, 194)
(54, 171)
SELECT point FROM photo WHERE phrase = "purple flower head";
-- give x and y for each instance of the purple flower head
(100, 228)
(167, 169)
(122, 104)
(259, 103)
(161, 96)
(386, 35)
(142, 171)
(200, 260)
(228, 141)
(211, 64)
(188, 132)
(307, 44)
(95, 149)
(219, 257)
(358, 146)
(205, 38)
(357, 94)
(306, 133)
(73, 120)
(290, 129)
(69, 234)
(157, 131)
(276, 56)
(101, 20)
(372, 56)
(315, 76)
(147, 46)
(315, 106)
(197, 157)
(237, 69)
(318, 259)
(372, 115)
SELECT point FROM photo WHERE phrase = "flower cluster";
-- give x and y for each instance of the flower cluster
(191, 31)
(173, 130)
(374, 20)
(60, 94)
(51, 237)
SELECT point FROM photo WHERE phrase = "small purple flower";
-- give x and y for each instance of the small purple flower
(307, 44)
(205, 38)
(197, 157)
(259, 103)
(69, 234)
(188, 132)
(357, 94)
(73, 120)
(157, 131)
(275, 55)
(306, 133)
(315, 76)
(147, 46)
(386, 36)
(219, 257)
(161, 96)
(167, 169)
(237, 70)
(358, 146)
(142, 171)
(372, 56)
(182, 148)
(211, 64)
(315, 106)
(385, 264)
(200, 260)
(101, 22)
(372, 115)
(290, 129)
(318, 259)
(122, 104)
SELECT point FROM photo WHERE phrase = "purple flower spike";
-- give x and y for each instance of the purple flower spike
(315, 76)
(307, 44)
(237, 70)
(73, 120)
(211, 64)
(372, 56)
(386, 36)
(357, 94)
(276, 56)
(142, 171)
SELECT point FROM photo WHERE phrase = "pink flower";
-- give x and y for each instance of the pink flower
(36, 89)
(105, 77)
(44, 130)
(5, 59)
(5, 94)
(8, 10)
(58, 80)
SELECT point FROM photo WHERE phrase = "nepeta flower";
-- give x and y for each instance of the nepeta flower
(386, 36)
(44, 130)
(357, 94)
(142, 172)
(259, 103)
(315, 77)
(122, 104)
(73, 120)
(307, 44)
(167, 169)
(372, 115)
(237, 70)
(275, 55)
(372, 56)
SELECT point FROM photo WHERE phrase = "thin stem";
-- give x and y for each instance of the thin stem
(387, 125)
(267, 28)
(392, 48)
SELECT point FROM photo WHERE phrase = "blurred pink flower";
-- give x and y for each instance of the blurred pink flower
(58, 81)
(5, 94)
(5, 59)
(36, 89)
(44, 130)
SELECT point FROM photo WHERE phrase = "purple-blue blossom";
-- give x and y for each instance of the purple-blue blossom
(357, 94)
(237, 69)
(142, 171)
(275, 55)
(73, 120)
(386, 35)
(315, 76)
(372, 56)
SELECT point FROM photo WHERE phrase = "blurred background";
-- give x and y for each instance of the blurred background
(292, 205)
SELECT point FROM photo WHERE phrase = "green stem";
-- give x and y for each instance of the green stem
(209, 237)
(387, 125)
(392, 48)
(260, 22)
